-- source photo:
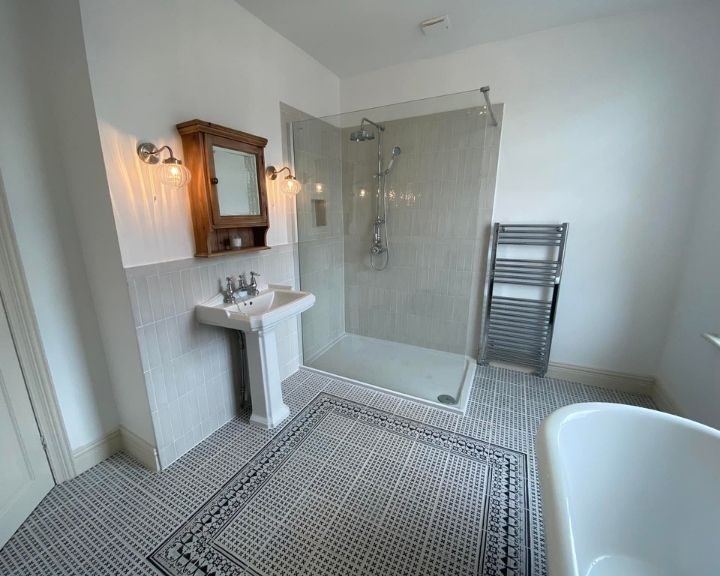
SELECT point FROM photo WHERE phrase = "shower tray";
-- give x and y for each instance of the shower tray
(403, 370)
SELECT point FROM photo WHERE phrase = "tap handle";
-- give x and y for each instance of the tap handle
(242, 281)
(253, 275)
(229, 285)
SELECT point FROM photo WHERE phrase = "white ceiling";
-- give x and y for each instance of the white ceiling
(355, 36)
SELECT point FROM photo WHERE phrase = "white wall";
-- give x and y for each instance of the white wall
(603, 128)
(690, 367)
(156, 63)
(35, 174)
(78, 145)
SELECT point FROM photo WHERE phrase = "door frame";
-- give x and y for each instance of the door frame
(31, 354)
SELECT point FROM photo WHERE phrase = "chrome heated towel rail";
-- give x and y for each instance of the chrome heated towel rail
(524, 272)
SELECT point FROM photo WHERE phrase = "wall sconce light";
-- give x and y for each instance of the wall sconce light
(172, 171)
(290, 184)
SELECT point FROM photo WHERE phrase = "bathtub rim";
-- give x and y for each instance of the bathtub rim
(559, 540)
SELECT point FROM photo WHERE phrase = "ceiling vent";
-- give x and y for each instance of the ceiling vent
(435, 26)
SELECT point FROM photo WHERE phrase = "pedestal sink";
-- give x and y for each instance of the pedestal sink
(258, 317)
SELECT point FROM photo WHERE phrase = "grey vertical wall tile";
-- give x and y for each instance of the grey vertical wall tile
(143, 347)
(164, 424)
(197, 378)
(171, 383)
(176, 419)
(149, 388)
(188, 366)
(159, 432)
(163, 337)
(156, 298)
(177, 291)
(143, 301)
(203, 408)
(185, 324)
(179, 373)
(166, 295)
(152, 346)
(187, 287)
(159, 386)
(134, 305)
(196, 286)
(200, 334)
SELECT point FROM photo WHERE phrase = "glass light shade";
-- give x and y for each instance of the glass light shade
(290, 186)
(174, 174)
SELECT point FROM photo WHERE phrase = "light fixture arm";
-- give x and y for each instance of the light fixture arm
(273, 172)
(290, 184)
(172, 171)
(150, 154)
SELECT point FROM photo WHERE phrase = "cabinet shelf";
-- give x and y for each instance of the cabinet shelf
(234, 251)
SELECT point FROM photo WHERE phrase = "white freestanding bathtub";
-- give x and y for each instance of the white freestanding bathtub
(629, 491)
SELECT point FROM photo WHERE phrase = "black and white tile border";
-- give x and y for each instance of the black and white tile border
(504, 541)
(111, 518)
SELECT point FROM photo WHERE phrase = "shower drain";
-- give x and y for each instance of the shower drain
(446, 399)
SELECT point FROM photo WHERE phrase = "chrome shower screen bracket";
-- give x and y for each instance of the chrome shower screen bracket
(485, 92)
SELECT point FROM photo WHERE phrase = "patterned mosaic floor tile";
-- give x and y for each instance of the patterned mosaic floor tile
(364, 483)
(223, 535)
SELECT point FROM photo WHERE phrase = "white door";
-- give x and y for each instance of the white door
(25, 475)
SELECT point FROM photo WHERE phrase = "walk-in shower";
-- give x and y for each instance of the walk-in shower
(380, 246)
(393, 241)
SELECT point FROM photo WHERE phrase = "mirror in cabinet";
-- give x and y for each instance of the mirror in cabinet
(228, 193)
(236, 182)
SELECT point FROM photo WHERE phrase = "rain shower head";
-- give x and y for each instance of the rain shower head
(362, 135)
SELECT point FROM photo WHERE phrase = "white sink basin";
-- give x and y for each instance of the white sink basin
(274, 304)
(257, 318)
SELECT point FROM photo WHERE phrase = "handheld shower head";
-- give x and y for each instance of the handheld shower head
(395, 153)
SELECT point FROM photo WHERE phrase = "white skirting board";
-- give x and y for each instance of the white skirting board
(93, 453)
(594, 377)
(602, 378)
(664, 400)
(143, 452)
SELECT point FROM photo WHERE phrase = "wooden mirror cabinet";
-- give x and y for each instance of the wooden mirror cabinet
(228, 196)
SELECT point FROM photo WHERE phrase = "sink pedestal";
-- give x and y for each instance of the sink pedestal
(257, 317)
(268, 407)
